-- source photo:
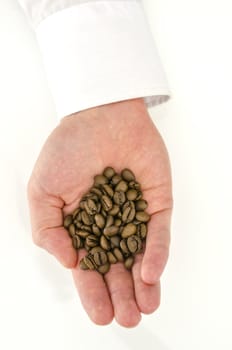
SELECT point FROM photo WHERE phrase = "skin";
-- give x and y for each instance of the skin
(121, 135)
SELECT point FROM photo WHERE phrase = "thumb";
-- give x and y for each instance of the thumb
(47, 224)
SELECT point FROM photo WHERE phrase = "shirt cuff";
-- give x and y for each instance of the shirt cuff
(101, 52)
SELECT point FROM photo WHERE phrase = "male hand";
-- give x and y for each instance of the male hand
(120, 135)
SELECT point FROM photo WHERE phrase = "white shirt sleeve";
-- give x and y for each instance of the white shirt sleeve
(97, 52)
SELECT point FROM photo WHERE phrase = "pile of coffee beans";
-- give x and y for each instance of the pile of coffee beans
(110, 222)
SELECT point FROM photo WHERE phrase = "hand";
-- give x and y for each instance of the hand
(118, 135)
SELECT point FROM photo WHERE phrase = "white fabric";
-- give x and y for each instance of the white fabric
(98, 52)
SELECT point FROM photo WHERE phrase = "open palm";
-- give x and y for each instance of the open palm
(120, 135)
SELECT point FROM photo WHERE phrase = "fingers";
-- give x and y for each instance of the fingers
(93, 294)
(147, 295)
(121, 289)
(157, 247)
(47, 221)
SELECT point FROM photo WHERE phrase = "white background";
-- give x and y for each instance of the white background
(39, 307)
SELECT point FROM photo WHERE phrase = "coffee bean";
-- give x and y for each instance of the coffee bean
(118, 254)
(109, 221)
(107, 190)
(90, 207)
(67, 221)
(117, 222)
(97, 191)
(142, 216)
(100, 220)
(96, 250)
(141, 231)
(106, 203)
(87, 247)
(78, 224)
(128, 212)
(96, 230)
(114, 211)
(128, 230)
(76, 241)
(100, 258)
(83, 265)
(104, 243)
(88, 260)
(115, 241)
(127, 175)
(76, 211)
(111, 258)
(119, 198)
(129, 262)
(72, 230)
(100, 180)
(116, 179)
(134, 244)
(123, 246)
(92, 240)
(103, 269)
(104, 213)
(86, 219)
(110, 231)
(86, 228)
(131, 194)
(82, 234)
(140, 205)
(134, 185)
(121, 186)
(109, 172)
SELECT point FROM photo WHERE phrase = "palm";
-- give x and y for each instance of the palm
(80, 147)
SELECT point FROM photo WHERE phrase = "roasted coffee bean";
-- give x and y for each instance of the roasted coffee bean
(90, 207)
(123, 246)
(116, 179)
(76, 211)
(100, 220)
(109, 221)
(77, 242)
(128, 212)
(129, 230)
(78, 217)
(92, 240)
(134, 185)
(127, 175)
(107, 190)
(104, 213)
(86, 228)
(142, 216)
(114, 211)
(142, 231)
(134, 244)
(106, 203)
(118, 254)
(82, 204)
(67, 221)
(140, 205)
(121, 186)
(78, 224)
(129, 262)
(96, 230)
(100, 258)
(103, 269)
(88, 260)
(131, 194)
(100, 180)
(109, 172)
(72, 230)
(119, 198)
(104, 243)
(117, 222)
(83, 265)
(115, 241)
(110, 231)
(96, 250)
(87, 247)
(111, 258)
(97, 191)
(82, 234)
(86, 218)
